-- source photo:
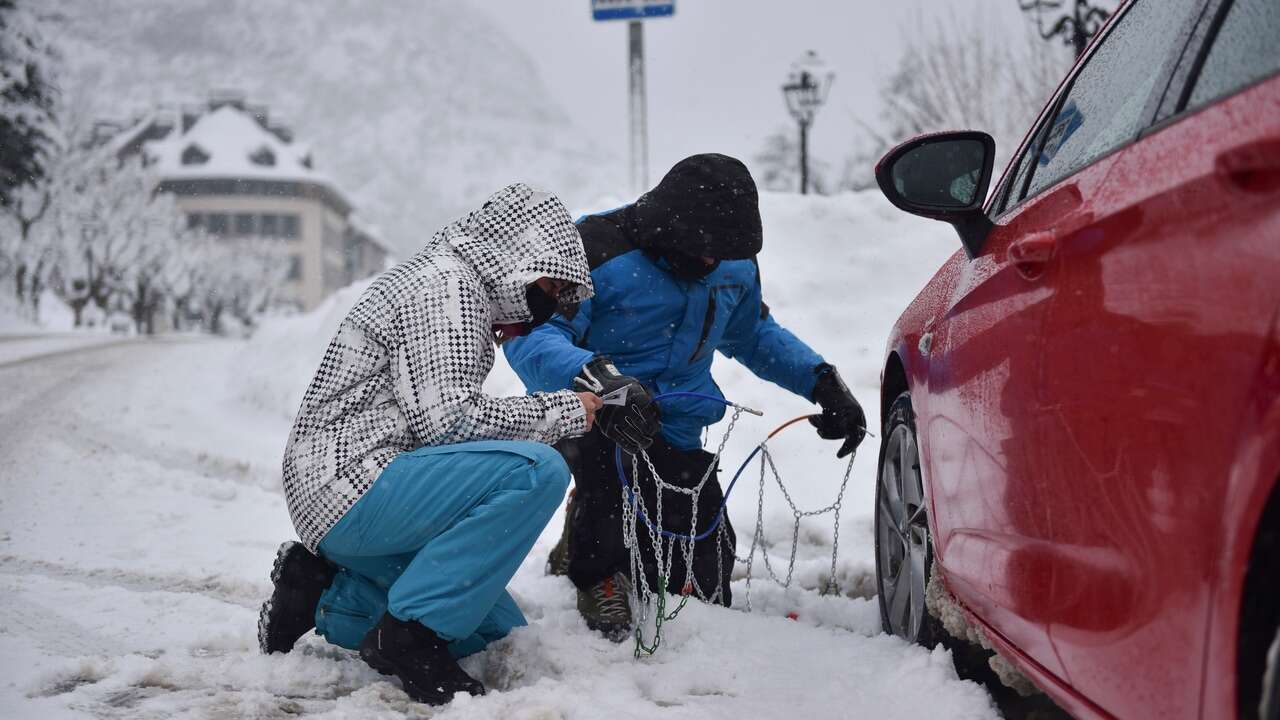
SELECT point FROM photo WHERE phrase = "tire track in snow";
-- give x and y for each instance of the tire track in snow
(235, 592)
(79, 349)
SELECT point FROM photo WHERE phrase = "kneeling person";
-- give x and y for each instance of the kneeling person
(416, 496)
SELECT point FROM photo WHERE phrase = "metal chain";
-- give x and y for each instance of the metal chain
(643, 597)
(832, 586)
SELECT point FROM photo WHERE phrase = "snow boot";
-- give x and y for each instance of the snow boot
(607, 608)
(414, 653)
(299, 578)
(558, 560)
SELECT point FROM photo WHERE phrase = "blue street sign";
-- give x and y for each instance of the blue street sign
(631, 9)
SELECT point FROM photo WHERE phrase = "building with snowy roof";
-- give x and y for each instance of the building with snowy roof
(239, 177)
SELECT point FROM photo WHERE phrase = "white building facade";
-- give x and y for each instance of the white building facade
(241, 179)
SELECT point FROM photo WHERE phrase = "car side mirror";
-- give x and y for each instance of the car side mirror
(944, 177)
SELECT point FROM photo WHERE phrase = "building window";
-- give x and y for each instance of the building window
(216, 223)
(194, 155)
(263, 156)
(195, 221)
(244, 224)
(270, 226)
(289, 226)
(295, 268)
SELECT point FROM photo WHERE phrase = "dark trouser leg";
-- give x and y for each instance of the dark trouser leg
(595, 521)
(596, 550)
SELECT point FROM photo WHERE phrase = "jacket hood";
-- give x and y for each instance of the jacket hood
(705, 205)
(518, 236)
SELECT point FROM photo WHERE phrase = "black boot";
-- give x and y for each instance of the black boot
(299, 578)
(414, 653)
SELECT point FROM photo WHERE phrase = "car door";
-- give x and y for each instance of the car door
(996, 503)
(1163, 291)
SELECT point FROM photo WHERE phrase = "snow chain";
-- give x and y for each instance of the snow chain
(652, 603)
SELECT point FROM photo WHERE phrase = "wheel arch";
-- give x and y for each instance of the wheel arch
(892, 384)
(1249, 562)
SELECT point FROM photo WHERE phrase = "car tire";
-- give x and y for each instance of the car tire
(903, 542)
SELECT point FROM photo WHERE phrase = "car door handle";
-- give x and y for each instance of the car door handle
(1251, 167)
(1030, 253)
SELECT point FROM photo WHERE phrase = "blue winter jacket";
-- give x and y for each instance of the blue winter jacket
(663, 331)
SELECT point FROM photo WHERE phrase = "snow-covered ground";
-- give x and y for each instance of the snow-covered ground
(23, 339)
(141, 511)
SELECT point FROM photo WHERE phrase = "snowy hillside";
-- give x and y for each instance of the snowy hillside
(419, 108)
(142, 510)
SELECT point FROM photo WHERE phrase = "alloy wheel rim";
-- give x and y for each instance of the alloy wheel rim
(903, 531)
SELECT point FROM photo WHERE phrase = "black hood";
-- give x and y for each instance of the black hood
(706, 205)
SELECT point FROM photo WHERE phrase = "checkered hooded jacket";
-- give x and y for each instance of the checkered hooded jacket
(405, 368)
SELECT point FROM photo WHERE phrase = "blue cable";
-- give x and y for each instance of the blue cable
(631, 498)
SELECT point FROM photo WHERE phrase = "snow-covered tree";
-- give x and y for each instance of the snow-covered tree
(184, 278)
(242, 279)
(110, 233)
(27, 98)
(162, 241)
(28, 143)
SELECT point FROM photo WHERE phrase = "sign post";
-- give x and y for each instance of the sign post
(634, 11)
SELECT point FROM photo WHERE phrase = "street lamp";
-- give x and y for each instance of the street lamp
(805, 91)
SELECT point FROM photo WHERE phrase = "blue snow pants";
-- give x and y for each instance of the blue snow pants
(436, 538)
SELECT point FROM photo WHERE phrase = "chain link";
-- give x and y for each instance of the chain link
(647, 600)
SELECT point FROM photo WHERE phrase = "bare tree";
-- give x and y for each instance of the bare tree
(1075, 27)
(953, 73)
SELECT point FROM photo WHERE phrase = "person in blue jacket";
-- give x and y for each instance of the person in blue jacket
(676, 280)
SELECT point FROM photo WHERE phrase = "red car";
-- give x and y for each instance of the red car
(1082, 407)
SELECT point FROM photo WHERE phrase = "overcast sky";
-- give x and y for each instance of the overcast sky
(715, 69)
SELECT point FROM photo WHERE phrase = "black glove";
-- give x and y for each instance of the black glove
(630, 417)
(842, 416)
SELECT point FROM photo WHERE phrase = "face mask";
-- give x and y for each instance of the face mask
(688, 266)
(541, 305)
(541, 308)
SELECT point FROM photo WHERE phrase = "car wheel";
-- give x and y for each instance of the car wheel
(904, 548)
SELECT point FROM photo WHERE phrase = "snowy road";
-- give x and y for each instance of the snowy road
(19, 348)
(138, 520)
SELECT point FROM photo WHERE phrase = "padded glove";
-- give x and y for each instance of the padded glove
(629, 417)
(842, 416)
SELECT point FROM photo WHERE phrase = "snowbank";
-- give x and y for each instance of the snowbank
(274, 369)
(55, 316)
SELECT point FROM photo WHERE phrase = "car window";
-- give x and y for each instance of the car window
(1105, 106)
(1246, 49)
(1019, 175)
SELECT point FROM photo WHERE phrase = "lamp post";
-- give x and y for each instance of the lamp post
(805, 91)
